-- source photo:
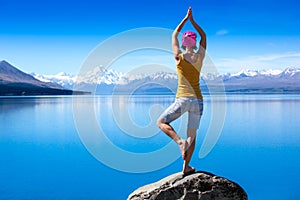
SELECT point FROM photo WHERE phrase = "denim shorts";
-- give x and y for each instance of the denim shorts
(193, 106)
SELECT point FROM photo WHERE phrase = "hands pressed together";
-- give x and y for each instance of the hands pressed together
(189, 14)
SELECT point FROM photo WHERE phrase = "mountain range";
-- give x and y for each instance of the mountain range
(107, 81)
(15, 82)
(101, 80)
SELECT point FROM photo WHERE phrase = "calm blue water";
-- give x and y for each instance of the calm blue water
(43, 157)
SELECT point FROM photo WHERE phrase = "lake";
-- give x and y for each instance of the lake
(104, 147)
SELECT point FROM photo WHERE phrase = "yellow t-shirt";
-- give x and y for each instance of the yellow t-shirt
(188, 78)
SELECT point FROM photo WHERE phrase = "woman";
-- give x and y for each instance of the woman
(188, 97)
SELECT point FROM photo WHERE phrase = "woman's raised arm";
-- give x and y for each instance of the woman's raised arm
(202, 44)
(175, 42)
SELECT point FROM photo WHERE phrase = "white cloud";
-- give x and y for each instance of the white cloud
(274, 57)
(269, 61)
(222, 32)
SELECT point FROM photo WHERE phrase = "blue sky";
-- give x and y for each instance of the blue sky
(47, 37)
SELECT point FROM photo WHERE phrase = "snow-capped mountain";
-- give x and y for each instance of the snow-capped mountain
(246, 80)
(99, 75)
(290, 72)
(64, 79)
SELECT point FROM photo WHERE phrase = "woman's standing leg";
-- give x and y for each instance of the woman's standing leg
(191, 141)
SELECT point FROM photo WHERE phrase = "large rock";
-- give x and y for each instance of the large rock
(200, 185)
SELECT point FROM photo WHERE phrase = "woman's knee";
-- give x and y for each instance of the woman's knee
(159, 122)
(163, 125)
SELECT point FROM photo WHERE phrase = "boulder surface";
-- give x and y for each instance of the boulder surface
(197, 186)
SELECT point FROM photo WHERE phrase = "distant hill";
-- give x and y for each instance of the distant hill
(15, 82)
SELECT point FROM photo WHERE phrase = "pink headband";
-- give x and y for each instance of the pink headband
(189, 39)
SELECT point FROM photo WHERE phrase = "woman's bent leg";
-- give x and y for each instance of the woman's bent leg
(168, 130)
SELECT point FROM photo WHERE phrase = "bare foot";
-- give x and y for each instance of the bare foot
(183, 147)
(188, 170)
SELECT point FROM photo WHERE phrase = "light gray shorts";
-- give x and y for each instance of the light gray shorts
(193, 106)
